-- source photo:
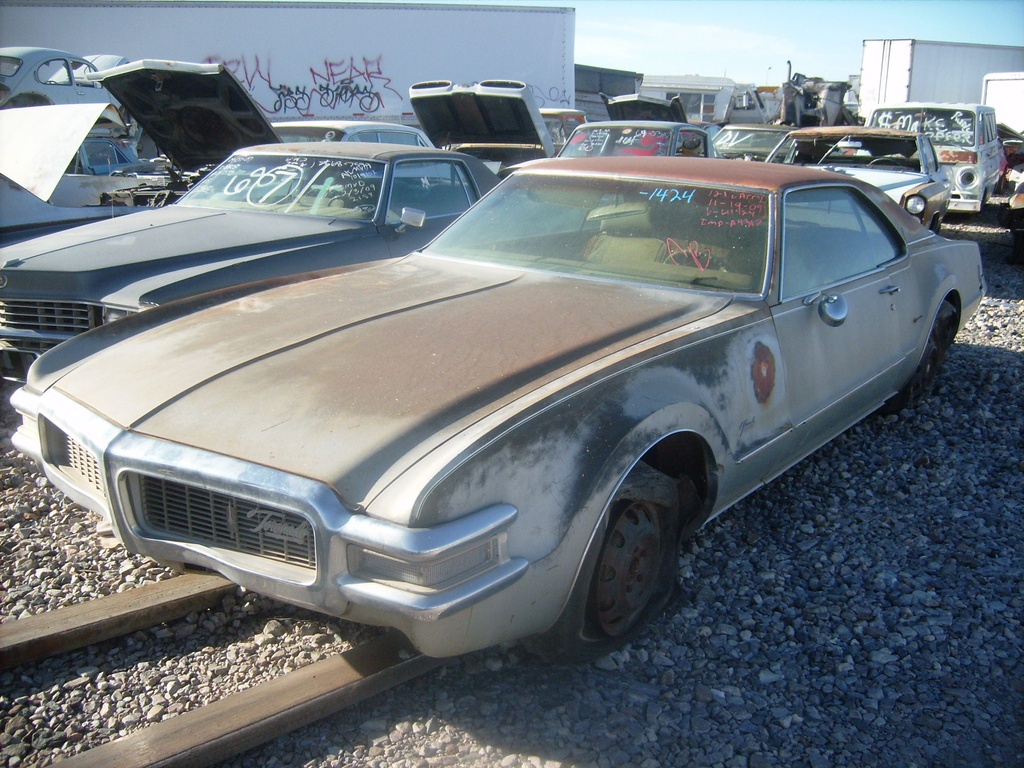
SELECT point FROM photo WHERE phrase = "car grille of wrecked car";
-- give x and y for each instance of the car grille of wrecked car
(182, 512)
(52, 320)
(219, 520)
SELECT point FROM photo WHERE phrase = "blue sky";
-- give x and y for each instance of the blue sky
(742, 39)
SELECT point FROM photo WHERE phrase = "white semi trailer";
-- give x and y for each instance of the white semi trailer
(898, 71)
(325, 60)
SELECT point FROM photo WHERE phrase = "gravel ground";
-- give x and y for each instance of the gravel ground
(862, 610)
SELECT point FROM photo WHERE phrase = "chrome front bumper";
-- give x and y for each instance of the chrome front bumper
(336, 581)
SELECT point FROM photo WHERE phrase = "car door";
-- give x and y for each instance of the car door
(842, 329)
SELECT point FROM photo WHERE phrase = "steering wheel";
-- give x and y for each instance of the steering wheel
(891, 160)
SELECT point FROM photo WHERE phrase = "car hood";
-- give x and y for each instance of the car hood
(196, 114)
(352, 378)
(894, 183)
(39, 143)
(96, 260)
(634, 106)
(486, 113)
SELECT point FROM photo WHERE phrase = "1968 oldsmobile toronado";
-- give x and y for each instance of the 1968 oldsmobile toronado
(507, 434)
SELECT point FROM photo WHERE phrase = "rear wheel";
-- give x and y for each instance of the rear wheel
(922, 382)
(633, 575)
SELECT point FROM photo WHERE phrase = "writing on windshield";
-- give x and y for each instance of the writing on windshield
(944, 127)
(293, 184)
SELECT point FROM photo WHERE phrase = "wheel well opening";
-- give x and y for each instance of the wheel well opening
(953, 297)
(686, 455)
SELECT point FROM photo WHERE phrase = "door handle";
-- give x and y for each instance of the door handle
(890, 289)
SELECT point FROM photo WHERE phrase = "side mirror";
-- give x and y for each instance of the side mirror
(412, 217)
(832, 309)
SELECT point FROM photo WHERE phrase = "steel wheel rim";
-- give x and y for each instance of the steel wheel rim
(627, 574)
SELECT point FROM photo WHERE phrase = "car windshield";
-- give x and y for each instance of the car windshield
(641, 230)
(604, 140)
(945, 127)
(298, 185)
(876, 151)
(736, 141)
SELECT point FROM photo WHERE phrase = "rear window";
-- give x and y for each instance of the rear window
(309, 133)
(9, 66)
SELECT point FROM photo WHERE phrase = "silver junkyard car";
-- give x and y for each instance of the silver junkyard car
(507, 434)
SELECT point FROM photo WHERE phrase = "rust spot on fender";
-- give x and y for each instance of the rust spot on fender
(763, 372)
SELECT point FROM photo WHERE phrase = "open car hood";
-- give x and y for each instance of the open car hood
(634, 106)
(196, 114)
(492, 112)
(39, 142)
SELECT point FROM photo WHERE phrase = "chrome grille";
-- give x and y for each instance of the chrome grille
(73, 459)
(226, 522)
(63, 318)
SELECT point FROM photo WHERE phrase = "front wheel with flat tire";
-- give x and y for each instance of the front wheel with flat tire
(632, 578)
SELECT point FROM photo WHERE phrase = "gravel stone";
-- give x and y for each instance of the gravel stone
(863, 609)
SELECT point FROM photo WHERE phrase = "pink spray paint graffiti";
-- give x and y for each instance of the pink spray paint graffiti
(337, 86)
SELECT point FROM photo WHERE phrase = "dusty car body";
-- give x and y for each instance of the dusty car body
(903, 164)
(351, 130)
(506, 435)
(267, 211)
(497, 121)
(36, 77)
(748, 141)
(650, 138)
(40, 191)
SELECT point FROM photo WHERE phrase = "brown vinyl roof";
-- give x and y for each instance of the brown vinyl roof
(771, 177)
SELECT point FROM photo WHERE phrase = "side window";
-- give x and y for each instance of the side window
(831, 234)
(54, 72)
(439, 187)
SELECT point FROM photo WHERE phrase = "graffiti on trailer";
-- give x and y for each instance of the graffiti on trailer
(553, 96)
(333, 86)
